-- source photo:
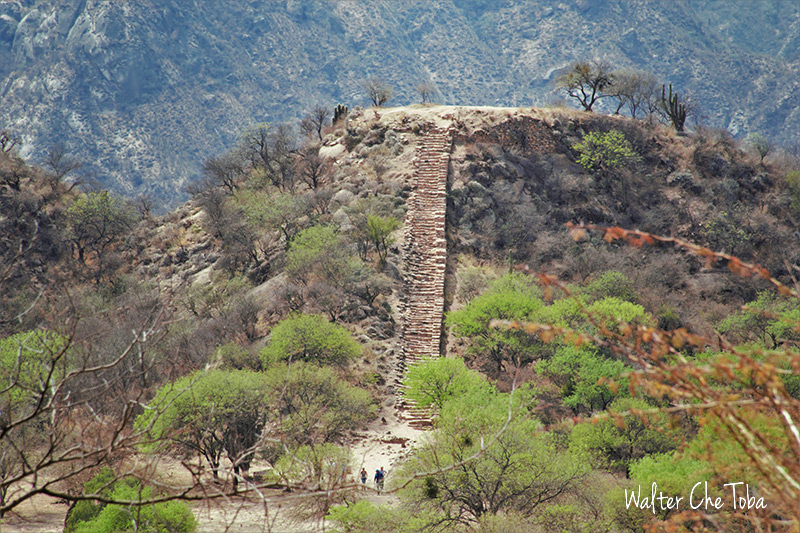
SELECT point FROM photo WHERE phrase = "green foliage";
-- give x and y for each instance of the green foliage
(611, 284)
(210, 413)
(629, 435)
(366, 233)
(716, 447)
(761, 144)
(312, 405)
(606, 151)
(30, 363)
(769, 320)
(364, 516)
(438, 381)
(322, 465)
(611, 312)
(512, 297)
(273, 211)
(96, 220)
(310, 338)
(316, 253)
(472, 280)
(585, 377)
(792, 179)
(232, 355)
(379, 230)
(90, 517)
(515, 472)
(724, 232)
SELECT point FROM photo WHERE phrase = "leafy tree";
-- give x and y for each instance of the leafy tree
(363, 282)
(605, 151)
(378, 91)
(437, 381)
(282, 212)
(97, 220)
(588, 381)
(586, 81)
(310, 338)
(366, 234)
(379, 230)
(210, 413)
(31, 363)
(628, 435)
(316, 254)
(311, 405)
(364, 516)
(674, 473)
(723, 231)
(769, 320)
(33, 366)
(481, 470)
(512, 297)
(611, 312)
(611, 284)
(321, 468)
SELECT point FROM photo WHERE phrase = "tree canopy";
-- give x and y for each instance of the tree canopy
(310, 338)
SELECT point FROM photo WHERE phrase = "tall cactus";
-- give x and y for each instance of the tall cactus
(675, 110)
(339, 112)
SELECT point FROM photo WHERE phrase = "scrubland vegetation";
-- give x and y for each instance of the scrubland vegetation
(244, 338)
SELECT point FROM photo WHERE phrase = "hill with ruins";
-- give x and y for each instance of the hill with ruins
(394, 224)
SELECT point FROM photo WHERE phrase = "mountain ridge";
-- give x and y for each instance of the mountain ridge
(145, 92)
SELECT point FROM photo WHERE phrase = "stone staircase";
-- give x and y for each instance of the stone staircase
(424, 261)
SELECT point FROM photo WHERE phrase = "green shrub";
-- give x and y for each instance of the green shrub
(605, 151)
(611, 284)
(793, 183)
(91, 517)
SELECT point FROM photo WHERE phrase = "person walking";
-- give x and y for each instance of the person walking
(379, 479)
(363, 476)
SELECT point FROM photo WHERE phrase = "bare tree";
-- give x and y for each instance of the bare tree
(427, 91)
(761, 144)
(378, 91)
(313, 167)
(59, 162)
(315, 121)
(272, 151)
(585, 81)
(225, 171)
(635, 89)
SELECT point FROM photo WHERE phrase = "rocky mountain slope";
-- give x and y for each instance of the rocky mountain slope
(145, 91)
